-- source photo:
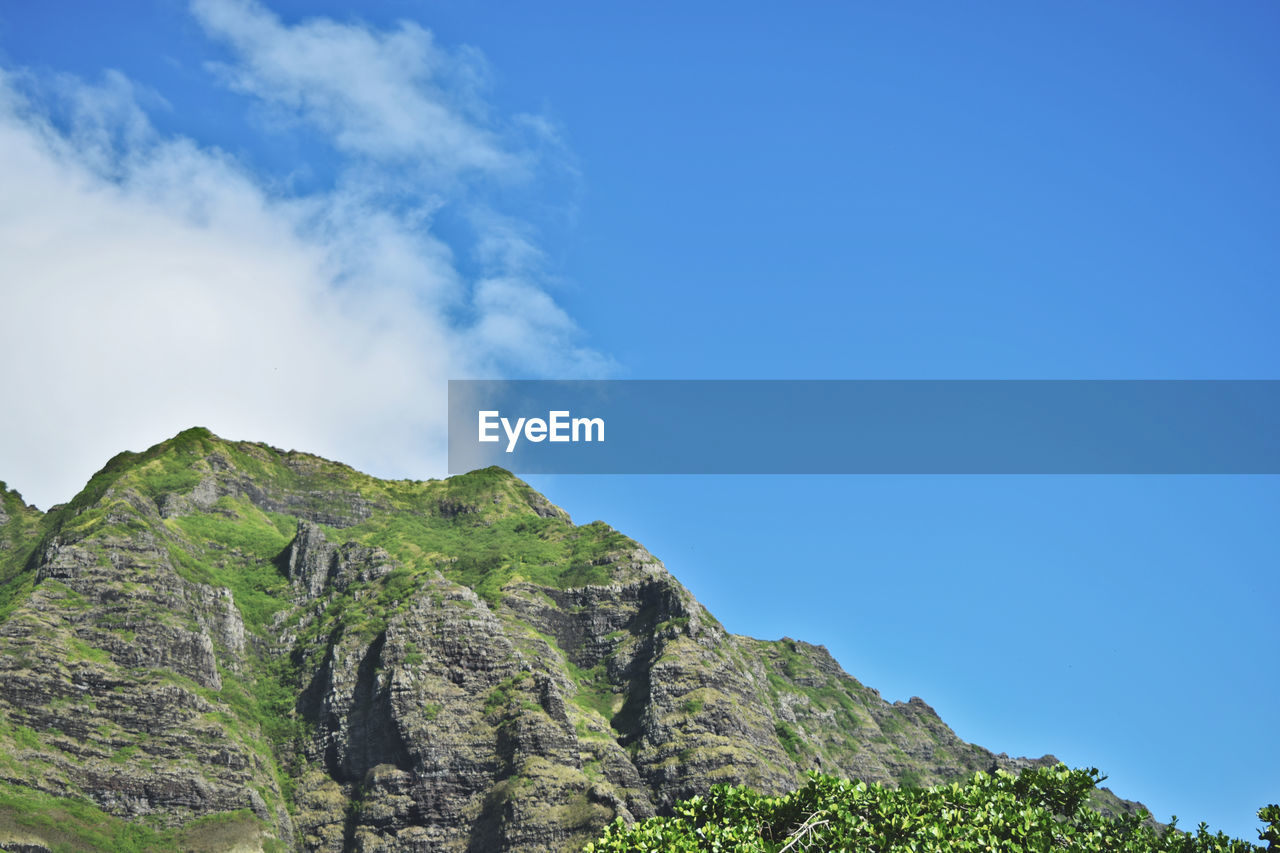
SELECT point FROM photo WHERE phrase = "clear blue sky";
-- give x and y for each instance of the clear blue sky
(746, 190)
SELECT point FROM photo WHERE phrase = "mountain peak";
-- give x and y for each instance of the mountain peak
(327, 661)
(196, 467)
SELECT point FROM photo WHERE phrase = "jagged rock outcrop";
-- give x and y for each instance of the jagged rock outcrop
(329, 662)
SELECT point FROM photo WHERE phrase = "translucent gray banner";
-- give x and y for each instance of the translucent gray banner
(866, 427)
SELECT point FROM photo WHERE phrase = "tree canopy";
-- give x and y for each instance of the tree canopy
(1043, 809)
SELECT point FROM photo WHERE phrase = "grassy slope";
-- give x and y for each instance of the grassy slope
(70, 825)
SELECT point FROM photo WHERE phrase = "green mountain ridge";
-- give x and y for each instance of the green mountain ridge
(220, 645)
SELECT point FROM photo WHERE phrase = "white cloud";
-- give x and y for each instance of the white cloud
(386, 95)
(149, 283)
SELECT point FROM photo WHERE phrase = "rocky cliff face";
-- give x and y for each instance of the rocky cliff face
(222, 645)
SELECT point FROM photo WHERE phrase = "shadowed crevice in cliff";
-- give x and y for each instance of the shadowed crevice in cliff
(281, 560)
(359, 732)
(487, 831)
(351, 821)
(629, 721)
(311, 707)
(372, 734)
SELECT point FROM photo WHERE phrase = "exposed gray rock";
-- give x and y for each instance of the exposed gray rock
(314, 564)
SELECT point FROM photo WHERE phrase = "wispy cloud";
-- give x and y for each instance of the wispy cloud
(151, 282)
(390, 94)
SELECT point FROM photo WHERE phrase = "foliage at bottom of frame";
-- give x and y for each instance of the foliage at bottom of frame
(1043, 809)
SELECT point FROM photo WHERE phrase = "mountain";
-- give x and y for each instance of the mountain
(224, 646)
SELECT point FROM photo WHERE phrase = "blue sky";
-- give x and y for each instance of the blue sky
(292, 224)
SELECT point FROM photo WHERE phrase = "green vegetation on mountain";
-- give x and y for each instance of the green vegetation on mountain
(73, 825)
(223, 643)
